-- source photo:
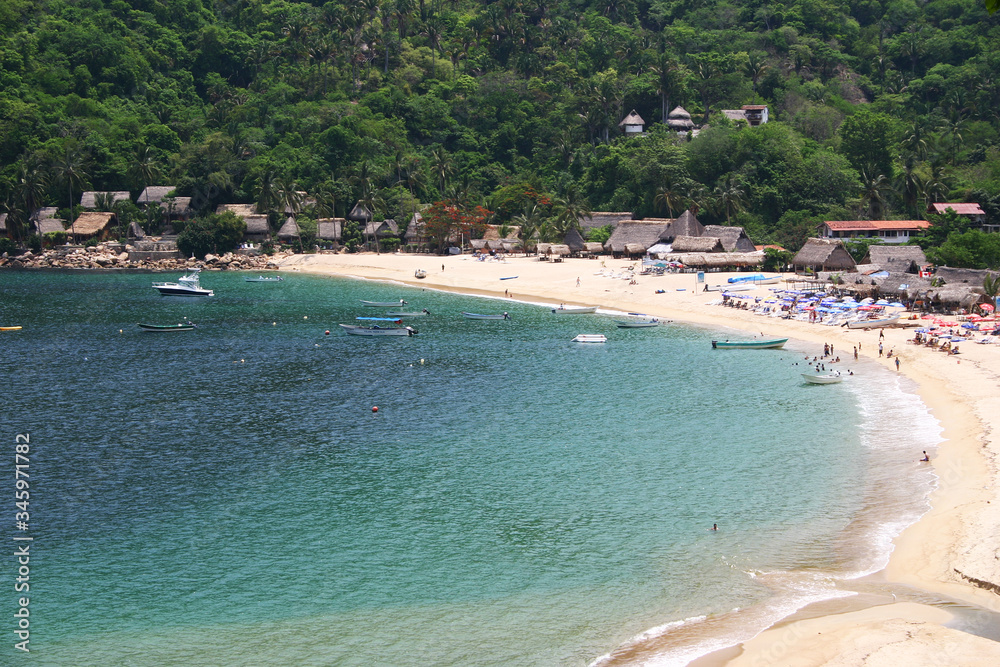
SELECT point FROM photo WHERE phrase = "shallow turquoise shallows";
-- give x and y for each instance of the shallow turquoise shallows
(228, 496)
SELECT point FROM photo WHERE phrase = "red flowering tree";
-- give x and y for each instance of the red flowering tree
(449, 221)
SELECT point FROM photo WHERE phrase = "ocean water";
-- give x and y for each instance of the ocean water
(228, 496)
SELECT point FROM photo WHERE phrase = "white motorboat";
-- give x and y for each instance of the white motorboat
(829, 378)
(591, 338)
(383, 304)
(419, 273)
(479, 316)
(376, 330)
(580, 310)
(185, 286)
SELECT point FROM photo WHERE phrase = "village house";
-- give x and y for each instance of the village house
(633, 124)
(752, 114)
(257, 228)
(330, 230)
(889, 231)
(154, 194)
(679, 120)
(898, 259)
(92, 225)
(971, 211)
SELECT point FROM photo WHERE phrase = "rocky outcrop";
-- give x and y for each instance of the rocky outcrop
(113, 257)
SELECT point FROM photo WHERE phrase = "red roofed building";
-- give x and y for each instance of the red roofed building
(973, 212)
(890, 231)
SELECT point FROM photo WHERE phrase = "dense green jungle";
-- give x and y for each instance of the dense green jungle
(876, 109)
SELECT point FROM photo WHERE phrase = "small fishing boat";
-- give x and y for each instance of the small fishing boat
(185, 326)
(479, 316)
(748, 344)
(829, 378)
(873, 323)
(376, 330)
(637, 324)
(735, 287)
(591, 338)
(263, 279)
(580, 310)
(383, 304)
(419, 273)
(508, 278)
(410, 313)
(756, 279)
(185, 286)
(10, 328)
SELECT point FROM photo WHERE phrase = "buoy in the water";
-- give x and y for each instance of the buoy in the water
(375, 408)
(327, 332)
(305, 317)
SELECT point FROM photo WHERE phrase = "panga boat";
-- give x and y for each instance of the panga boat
(383, 304)
(735, 287)
(186, 326)
(419, 273)
(873, 324)
(591, 338)
(185, 286)
(756, 279)
(479, 316)
(410, 313)
(579, 310)
(637, 324)
(263, 279)
(10, 328)
(376, 330)
(829, 378)
(748, 344)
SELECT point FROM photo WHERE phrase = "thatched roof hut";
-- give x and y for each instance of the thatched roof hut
(952, 276)
(542, 248)
(415, 230)
(46, 225)
(602, 219)
(902, 258)
(697, 244)
(359, 213)
(951, 297)
(330, 229)
(177, 207)
(257, 228)
(708, 260)
(43, 213)
(734, 239)
(679, 120)
(93, 224)
(559, 249)
(153, 194)
(593, 247)
(88, 199)
(575, 241)
(382, 229)
(823, 255)
(636, 232)
(684, 225)
(289, 231)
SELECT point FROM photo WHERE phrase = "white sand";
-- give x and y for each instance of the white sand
(954, 542)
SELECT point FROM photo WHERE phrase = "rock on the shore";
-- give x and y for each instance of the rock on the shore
(102, 257)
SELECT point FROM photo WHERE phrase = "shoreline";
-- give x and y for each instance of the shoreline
(948, 554)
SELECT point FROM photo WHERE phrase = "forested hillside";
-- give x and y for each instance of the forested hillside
(876, 108)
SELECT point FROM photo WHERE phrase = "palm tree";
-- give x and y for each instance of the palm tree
(267, 193)
(442, 168)
(730, 197)
(529, 220)
(908, 184)
(570, 207)
(873, 191)
(755, 66)
(70, 169)
(991, 288)
(669, 195)
(30, 192)
(373, 201)
(143, 168)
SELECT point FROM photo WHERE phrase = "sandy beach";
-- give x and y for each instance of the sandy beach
(949, 556)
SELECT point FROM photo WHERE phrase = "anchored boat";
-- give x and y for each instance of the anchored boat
(829, 378)
(383, 304)
(263, 279)
(748, 344)
(185, 286)
(580, 310)
(591, 338)
(479, 316)
(185, 326)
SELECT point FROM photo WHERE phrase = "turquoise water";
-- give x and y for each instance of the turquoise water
(227, 496)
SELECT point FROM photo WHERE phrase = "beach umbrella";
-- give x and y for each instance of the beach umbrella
(896, 304)
(987, 307)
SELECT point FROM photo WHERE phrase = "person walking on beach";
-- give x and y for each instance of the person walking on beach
(880, 349)
(897, 364)
(855, 353)
(578, 281)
